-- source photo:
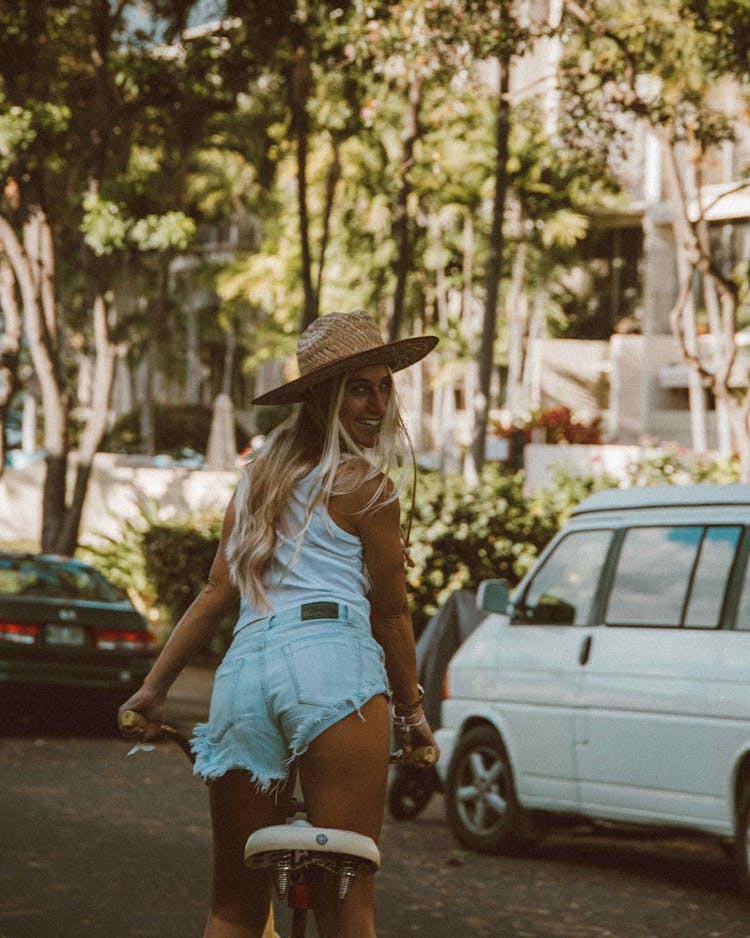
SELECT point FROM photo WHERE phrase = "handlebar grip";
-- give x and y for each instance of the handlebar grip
(421, 755)
(132, 720)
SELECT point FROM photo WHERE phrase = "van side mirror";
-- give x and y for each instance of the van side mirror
(493, 595)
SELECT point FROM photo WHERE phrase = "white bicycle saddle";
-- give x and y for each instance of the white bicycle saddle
(302, 837)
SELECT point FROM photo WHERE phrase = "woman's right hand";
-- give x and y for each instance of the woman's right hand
(148, 702)
(418, 735)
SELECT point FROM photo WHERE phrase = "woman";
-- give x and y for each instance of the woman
(311, 547)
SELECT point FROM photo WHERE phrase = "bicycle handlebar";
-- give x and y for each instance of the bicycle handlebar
(421, 756)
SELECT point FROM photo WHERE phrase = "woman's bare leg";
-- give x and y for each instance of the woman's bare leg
(344, 775)
(241, 897)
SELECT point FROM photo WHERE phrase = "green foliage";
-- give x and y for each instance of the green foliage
(176, 427)
(177, 559)
(107, 228)
(103, 226)
(121, 559)
(461, 536)
(170, 231)
(673, 465)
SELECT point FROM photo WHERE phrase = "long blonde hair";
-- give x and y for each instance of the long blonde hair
(311, 438)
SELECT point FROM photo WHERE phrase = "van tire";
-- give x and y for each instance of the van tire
(742, 841)
(481, 804)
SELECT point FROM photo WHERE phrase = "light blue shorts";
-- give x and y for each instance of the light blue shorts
(284, 680)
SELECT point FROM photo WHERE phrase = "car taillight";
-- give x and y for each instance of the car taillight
(122, 639)
(446, 689)
(17, 634)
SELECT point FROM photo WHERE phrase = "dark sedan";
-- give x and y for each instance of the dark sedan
(64, 625)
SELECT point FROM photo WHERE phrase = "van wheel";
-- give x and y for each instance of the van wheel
(742, 841)
(481, 803)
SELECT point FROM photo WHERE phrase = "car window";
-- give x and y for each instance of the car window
(563, 589)
(711, 575)
(41, 578)
(742, 621)
(670, 576)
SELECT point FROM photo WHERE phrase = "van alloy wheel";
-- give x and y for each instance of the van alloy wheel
(481, 803)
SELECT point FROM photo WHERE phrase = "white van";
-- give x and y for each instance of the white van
(614, 682)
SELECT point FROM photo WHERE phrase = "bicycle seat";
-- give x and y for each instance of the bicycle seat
(302, 837)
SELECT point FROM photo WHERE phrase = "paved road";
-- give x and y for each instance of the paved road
(95, 844)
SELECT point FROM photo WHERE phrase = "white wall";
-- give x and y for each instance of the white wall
(118, 484)
(541, 460)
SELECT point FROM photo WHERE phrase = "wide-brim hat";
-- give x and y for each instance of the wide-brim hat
(342, 342)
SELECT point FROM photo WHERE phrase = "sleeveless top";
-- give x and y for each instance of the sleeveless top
(323, 563)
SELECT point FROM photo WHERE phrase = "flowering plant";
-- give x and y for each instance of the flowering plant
(557, 425)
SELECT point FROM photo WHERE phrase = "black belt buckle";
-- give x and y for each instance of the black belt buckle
(319, 611)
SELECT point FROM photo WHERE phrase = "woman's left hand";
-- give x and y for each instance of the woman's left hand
(150, 704)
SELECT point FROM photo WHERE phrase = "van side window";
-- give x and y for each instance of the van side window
(742, 620)
(672, 576)
(563, 589)
(710, 577)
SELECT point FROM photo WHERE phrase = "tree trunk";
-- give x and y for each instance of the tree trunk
(517, 312)
(300, 89)
(96, 425)
(492, 278)
(401, 225)
(229, 353)
(332, 179)
(694, 250)
(10, 348)
(33, 268)
(157, 312)
(680, 193)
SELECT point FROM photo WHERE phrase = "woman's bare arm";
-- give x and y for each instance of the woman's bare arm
(379, 529)
(192, 633)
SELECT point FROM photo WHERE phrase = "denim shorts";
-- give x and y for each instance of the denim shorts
(284, 680)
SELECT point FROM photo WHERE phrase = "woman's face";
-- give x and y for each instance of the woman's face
(366, 395)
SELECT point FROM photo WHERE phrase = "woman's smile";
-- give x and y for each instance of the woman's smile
(366, 396)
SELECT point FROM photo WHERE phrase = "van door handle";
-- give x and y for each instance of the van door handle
(583, 657)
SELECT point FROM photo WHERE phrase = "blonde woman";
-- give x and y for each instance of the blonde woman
(311, 548)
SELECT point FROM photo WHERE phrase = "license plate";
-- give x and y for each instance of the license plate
(65, 635)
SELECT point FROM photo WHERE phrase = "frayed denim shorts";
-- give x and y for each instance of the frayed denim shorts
(284, 680)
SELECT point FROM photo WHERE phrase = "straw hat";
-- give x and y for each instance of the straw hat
(341, 342)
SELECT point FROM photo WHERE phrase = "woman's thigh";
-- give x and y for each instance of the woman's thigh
(237, 810)
(344, 772)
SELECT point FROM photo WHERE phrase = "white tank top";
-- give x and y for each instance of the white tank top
(325, 564)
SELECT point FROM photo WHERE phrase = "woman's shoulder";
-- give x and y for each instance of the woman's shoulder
(360, 484)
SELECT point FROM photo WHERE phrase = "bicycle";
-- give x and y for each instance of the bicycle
(298, 855)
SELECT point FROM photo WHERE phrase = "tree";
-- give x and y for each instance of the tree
(660, 64)
(84, 97)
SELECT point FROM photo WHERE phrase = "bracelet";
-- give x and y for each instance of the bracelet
(407, 709)
(401, 723)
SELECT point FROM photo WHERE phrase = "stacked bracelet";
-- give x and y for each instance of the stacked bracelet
(402, 722)
(405, 715)
(408, 709)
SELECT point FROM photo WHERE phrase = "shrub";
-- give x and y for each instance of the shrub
(177, 560)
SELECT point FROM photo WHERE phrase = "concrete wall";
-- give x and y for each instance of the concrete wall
(118, 485)
(541, 460)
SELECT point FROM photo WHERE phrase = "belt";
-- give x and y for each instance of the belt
(322, 610)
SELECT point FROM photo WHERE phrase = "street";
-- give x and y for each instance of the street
(96, 843)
